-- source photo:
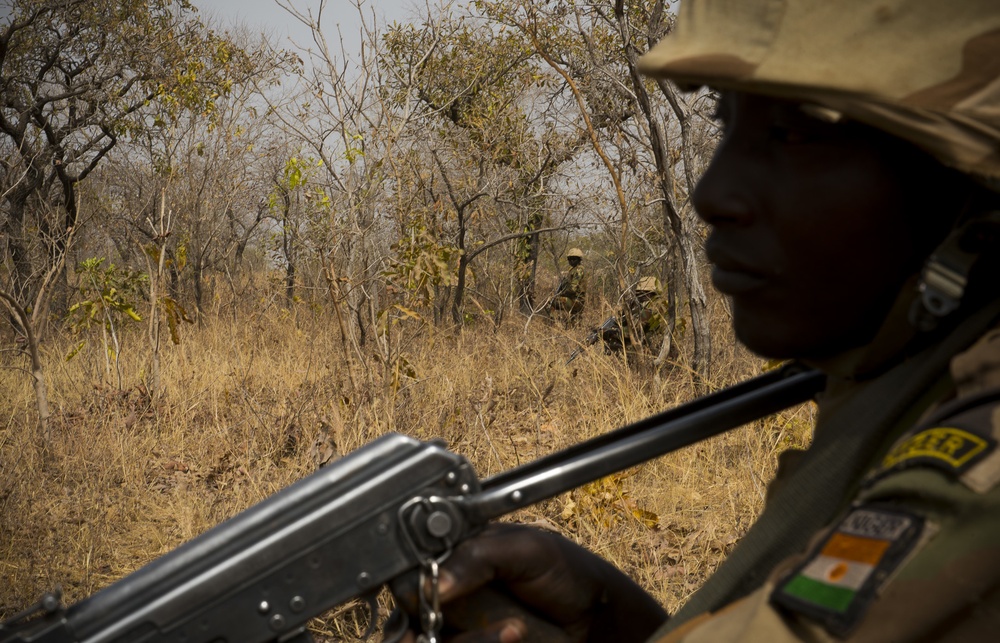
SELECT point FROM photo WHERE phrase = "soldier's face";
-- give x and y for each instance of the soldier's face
(815, 226)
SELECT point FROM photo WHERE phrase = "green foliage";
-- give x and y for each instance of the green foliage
(297, 174)
(107, 298)
(302, 206)
(133, 60)
(178, 261)
(422, 263)
(355, 149)
(474, 75)
(175, 314)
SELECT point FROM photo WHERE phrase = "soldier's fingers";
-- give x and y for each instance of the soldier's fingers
(502, 552)
(507, 631)
(541, 571)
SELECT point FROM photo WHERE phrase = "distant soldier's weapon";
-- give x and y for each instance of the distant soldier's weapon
(559, 290)
(393, 509)
(562, 287)
(610, 325)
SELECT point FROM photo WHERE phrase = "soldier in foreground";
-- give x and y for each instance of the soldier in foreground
(855, 218)
(571, 294)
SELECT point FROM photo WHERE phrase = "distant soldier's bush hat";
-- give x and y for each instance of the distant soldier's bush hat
(925, 71)
(574, 252)
(648, 284)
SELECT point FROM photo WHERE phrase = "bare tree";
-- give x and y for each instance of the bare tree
(31, 324)
(643, 134)
(79, 77)
(478, 93)
(337, 116)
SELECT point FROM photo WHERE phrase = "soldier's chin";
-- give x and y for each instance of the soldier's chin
(783, 339)
(766, 347)
(774, 338)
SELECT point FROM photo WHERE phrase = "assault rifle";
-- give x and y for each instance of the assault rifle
(556, 292)
(388, 510)
(610, 324)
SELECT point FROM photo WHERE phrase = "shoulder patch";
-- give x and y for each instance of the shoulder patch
(842, 576)
(949, 448)
(957, 438)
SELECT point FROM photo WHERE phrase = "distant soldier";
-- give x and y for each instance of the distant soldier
(640, 320)
(571, 294)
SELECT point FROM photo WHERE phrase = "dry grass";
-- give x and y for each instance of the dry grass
(254, 404)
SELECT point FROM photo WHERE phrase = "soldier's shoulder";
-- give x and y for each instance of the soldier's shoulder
(958, 439)
(920, 545)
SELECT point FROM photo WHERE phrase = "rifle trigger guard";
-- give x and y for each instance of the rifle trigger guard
(371, 600)
(396, 627)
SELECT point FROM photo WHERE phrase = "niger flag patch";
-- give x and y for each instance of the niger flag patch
(842, 576)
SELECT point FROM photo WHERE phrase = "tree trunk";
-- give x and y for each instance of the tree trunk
(13, 229)
(199, 293)
(37, 374)
(288, 244)
(155, 292)
(701, 357)
(290, 282)
(456, 304)
(674, 224)
(529, 265)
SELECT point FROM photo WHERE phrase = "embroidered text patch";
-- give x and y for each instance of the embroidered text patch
(949, 448)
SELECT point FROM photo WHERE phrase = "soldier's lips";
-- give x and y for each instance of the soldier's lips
(737, 281)
(735, 269)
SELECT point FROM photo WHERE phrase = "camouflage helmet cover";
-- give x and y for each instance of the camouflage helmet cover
(924, 71)
(574, 252)
(648, 284)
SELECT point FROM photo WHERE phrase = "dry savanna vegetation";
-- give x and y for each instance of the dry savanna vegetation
(255, 402)
(226, 261)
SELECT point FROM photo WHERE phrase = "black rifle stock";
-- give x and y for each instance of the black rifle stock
(611, 323)
(353, 526)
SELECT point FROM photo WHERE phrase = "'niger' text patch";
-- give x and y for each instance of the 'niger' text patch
(945, 447)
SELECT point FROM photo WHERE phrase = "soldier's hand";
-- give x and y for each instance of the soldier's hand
(517, 584)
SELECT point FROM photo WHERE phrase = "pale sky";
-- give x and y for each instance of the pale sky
(268, 16)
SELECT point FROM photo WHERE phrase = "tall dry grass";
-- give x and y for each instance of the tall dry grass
(253, 402)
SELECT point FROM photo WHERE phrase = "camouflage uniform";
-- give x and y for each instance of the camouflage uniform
(640, 322)
(571, 295)
(888, 527)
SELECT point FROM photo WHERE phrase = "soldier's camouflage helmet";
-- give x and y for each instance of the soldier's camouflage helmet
(648, 284)
(574, 252)
(922, 70)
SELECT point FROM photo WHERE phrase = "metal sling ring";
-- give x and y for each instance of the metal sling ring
(431, 619)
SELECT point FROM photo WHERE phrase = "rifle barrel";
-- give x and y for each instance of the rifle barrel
(643, 440)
